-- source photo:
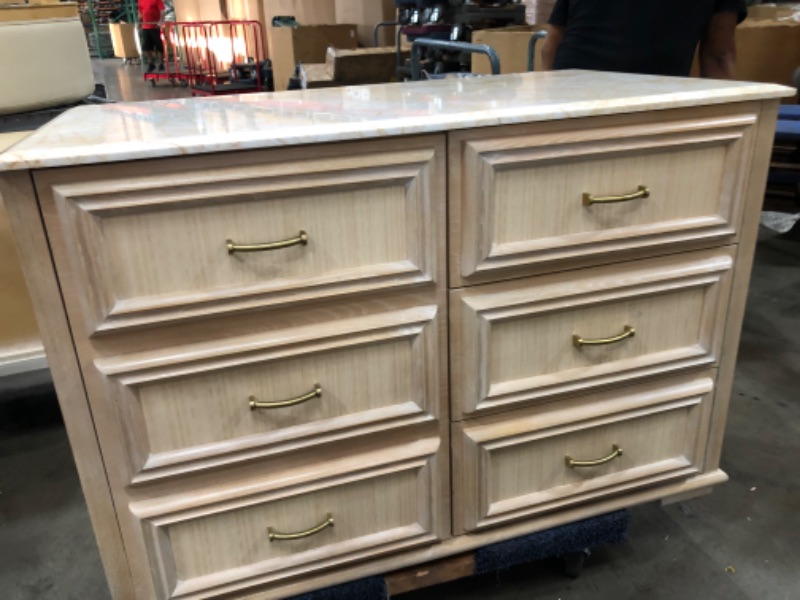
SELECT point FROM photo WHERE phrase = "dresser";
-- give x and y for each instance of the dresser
(304, 338)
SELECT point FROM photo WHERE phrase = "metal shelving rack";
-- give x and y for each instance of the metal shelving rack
(100, 15)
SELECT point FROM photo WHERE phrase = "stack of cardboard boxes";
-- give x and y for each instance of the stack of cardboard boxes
(342, 24)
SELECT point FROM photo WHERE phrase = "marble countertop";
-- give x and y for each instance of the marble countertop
(138, 130)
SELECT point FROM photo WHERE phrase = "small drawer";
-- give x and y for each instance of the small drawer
(544, 458)
(539, 199)
(532, 339)
(328, 518)
(192, 407)
(148, 243)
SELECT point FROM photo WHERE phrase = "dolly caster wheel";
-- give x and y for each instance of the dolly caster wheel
(573, 563)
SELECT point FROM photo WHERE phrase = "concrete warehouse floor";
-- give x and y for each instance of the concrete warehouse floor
(741, 542)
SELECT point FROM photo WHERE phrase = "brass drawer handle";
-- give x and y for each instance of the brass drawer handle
(315, 393)
(629, 332)
(274, 536)
(572, 463)
(642, 192)
(300, 240)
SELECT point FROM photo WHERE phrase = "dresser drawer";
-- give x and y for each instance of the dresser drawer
(147, 243)
(338, 516)
(545, 458)
(532, 339)
(191, 407)
(537, 199)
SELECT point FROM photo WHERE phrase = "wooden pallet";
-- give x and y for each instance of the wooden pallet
(432, 573)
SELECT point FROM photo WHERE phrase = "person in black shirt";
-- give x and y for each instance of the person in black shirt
(657, 37)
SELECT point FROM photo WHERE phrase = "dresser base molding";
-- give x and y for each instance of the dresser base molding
(465, 543)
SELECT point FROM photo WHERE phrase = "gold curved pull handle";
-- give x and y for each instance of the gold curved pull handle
(572, 463)
(629, 332)
(315, 393)
(300, 240)
(642, 192)
(274, 536)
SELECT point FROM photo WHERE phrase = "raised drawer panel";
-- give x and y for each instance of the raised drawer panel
(533, 339)
(187, 408)
(519, 463)
(330, 520)
(150, 245)
(524, 198)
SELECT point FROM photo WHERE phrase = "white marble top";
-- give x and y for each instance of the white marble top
(137, 130)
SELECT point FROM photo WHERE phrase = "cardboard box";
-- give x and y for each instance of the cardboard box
(305, 12)
(366, 14)
(308, 45)
(34, 12)
(123, 40)
(767, 50)
(363, 65)
(773, 12)
(511, 45)
(249, 10)
(199, 10)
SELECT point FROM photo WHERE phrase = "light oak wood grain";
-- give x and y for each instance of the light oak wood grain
(512, 342)
(20, 202)
(203, 541)
(187, 407)
(516, 193)
(160, 336)
(753, 191)
(513, 465)
(211, 331)
(149, 244)
(463, 543)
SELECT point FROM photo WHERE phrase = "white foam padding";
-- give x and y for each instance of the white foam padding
(42, 64)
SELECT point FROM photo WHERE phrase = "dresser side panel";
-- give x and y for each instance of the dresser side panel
(20, 200)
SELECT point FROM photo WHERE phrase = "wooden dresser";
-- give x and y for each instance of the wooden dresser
(305, 338)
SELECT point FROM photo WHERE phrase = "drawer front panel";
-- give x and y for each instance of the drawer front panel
(189, 408)
(532, 200)
(532, 339)
(542, 459)
(284, 533)
(151, 247)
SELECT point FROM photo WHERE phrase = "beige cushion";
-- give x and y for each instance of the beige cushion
(42, 64)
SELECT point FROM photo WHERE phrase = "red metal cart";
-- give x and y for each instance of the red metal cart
(175, 70)
(223, 57)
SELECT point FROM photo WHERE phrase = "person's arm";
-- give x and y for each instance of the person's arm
(550, 45)
(718, 47)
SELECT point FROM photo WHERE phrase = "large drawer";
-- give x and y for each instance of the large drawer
(544, 458)
(216, 541)
(151, 242)
(540, 198)
(190, 407)
(533, 339)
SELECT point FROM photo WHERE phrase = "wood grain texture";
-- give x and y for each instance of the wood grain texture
(381, 501)
(463, 543)
(19, 198)
(512, 342)
(755, 185)
(147, 243)
(142, 348)
(426, 575)
(516, 193)
(513, 465)
(186, 407)
(171, 335)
